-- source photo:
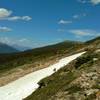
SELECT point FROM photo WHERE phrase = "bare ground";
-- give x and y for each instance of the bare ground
(21, 71)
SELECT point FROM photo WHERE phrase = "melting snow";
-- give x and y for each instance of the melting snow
(24, 86)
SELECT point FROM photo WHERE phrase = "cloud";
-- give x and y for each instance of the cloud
(5, 29)
(82, 1)
(84, 32)
(6, 14)
(64, 22)
(74, 17)
(23, 40)
(62, 30)
(15, 41)
(15, 18)
(94, 2)
(4, 40)
(26, 18)
(77, 16)
(80, 32)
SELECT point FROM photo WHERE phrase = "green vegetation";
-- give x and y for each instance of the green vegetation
(73, 89)
(70, 82)
(63, 85)
(91, 97)
(84, 59)
(10, 61)
(52, 85)
(93, 40)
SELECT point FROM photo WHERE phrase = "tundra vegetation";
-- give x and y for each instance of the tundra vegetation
(79, 80)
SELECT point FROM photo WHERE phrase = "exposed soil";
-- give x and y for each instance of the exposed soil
(21, 71)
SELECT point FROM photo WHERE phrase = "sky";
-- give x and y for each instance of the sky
(35, 23)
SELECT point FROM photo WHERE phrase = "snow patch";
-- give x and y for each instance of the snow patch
(26, 85)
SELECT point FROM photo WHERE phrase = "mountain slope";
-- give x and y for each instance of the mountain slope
(73, 82)
(36, 54)
(7, 49)
(97, 39)
(13, 66)
(77, 81)
(24, 86)
(21, 48)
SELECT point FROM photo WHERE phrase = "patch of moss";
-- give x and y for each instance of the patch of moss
(91, 97)
(74, 89)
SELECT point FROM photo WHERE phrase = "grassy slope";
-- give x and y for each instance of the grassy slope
(94, 40)
(59, 86)
(10, 61)
(70, 83)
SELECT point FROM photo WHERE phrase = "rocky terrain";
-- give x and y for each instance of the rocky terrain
(79, 80)
(16, 65)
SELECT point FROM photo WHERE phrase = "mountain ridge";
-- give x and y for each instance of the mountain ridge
(4, 48)
(79, 80)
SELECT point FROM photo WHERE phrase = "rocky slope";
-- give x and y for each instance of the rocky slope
(16, 65)
(80, 80)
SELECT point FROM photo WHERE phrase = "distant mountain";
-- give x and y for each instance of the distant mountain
(4, 48)
(21, 48)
